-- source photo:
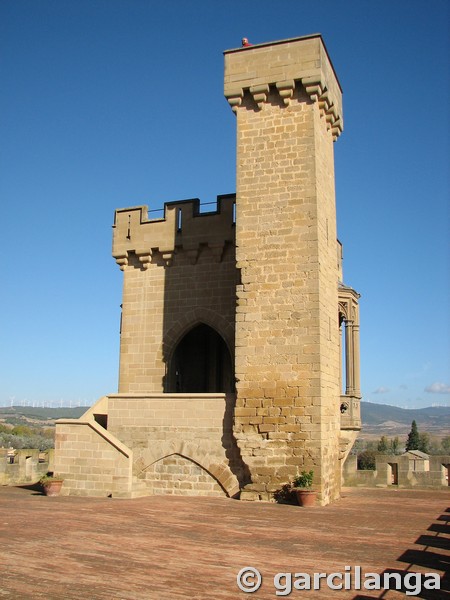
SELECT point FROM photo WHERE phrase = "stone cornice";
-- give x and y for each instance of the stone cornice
(283, 66)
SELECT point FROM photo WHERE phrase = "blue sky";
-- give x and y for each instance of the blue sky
(115, 103)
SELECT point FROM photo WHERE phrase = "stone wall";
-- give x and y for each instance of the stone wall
(196, 427)
(91, 461)
(169, 443)
(178, 475)
(178, 272)
(287, 346)
(28, 466)
(436, 474)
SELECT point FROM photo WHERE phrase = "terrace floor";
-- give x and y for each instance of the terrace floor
(180, 547)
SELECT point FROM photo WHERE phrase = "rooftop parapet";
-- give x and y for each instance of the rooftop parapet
(183, 227)
(282, 65)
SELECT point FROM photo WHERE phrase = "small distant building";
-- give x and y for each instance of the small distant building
(19, 467)
(410, 469)
(418, 461)
(10, 455)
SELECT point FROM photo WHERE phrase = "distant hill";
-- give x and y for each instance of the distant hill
(378, 419)
(28, 413)
(384, 419)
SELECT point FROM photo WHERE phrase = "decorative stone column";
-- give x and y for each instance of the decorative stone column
(356, 359)
(349, 359)
(351, 400)
(341, 383)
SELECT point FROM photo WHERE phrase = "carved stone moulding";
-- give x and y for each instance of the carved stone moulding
(286, 90)
(314, 87)
(260, 94)
(144, 258)
(122, 261)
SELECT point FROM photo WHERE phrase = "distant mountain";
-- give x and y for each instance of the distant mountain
(391, 419)
(41, 414)
(376, 418)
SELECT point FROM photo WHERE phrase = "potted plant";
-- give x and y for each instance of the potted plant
(51, 484)
(302, 488)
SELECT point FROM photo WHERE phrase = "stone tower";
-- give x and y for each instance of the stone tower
(231, 336)
(288, 106)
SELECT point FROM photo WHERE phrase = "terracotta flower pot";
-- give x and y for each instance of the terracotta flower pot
(52, 488)
(306, 497)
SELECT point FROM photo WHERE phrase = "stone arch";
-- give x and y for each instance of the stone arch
(196, 452)
(344, 312)
(200, 363)
(212, 343)
(190, 319)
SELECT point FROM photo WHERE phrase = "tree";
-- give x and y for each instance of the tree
(22, 430)
(383, 445)
(366, 460)
(394, 444)
(413, 441)
(435, 446)
(424, 443)
(445, 443)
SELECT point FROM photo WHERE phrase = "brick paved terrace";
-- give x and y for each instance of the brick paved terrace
(179, 547)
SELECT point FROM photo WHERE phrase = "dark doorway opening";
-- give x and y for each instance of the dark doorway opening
(392, 473)
(201, 363)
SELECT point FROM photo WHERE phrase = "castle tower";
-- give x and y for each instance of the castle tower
(288, 106)
(231, 333)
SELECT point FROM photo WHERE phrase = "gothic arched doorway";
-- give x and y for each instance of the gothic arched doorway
(201, 363)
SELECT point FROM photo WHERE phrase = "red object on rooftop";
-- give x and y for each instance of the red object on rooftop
(245, 42)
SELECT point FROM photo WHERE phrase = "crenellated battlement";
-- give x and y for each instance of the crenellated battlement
(182, 228)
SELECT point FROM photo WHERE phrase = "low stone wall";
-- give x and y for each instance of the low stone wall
(144, 444)
(91, 460)
(396, 470)
(182, 443)
(26, 467)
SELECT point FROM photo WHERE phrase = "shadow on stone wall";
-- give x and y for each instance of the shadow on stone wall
(232, 451)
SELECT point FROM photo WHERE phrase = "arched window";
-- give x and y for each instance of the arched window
(201, 363)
